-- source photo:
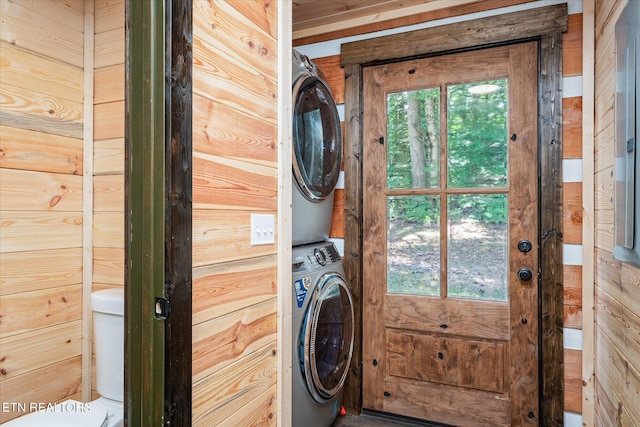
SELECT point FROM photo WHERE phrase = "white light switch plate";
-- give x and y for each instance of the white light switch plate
(262, 229)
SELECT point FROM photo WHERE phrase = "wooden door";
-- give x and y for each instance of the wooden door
(450, 284)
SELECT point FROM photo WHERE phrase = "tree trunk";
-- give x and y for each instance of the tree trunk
(416, 144)
(433, 138)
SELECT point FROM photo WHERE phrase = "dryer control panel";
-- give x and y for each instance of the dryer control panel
(314, 256)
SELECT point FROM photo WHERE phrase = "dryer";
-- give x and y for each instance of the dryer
(323, 334)
(317, 152)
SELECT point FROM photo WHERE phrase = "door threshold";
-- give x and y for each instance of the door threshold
(382, 419)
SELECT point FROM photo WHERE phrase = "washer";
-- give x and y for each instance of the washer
(317, 152)
(323, 322)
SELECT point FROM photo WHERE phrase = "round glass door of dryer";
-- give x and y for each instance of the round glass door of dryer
(317, 138)
(326, 339)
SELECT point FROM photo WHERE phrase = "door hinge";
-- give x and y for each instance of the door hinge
(163, 308)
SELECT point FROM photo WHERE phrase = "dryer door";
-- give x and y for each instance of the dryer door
(317, 138)
(327, 334)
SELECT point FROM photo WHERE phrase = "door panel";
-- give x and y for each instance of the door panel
(450, 189)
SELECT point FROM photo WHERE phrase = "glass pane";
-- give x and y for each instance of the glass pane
(413, 139)
(477, 261)
(332, 344)
(317, 139)
(477, 134)
(413, 245)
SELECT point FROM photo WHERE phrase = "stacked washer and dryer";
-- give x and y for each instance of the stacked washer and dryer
(323, 319)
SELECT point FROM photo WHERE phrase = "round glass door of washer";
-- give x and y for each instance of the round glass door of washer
(317, 138)
(326, 338)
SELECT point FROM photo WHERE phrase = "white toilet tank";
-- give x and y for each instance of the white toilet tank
(108, 327)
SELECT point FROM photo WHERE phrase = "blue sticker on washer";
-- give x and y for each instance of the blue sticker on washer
(301, 286)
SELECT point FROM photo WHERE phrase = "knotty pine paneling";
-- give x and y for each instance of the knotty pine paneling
(604, 229)
(572, 47)
(108, 120)
(108, 193)
(619, 380)
(108, 157)
(22, 190)
(260, 411)
(27, 109)
(620, 325)
(573, 381)
(619, 280)
(223, 340)
(220, 130)
(604, 146)
(39, 270)
(372, 23)
(28, 311)
(234, 175)
(220, 289)
(337, 220)
(572, 283)
(262, 17)
(52, 383)
(36, 151)
(108, 266)
(109, 15)
(108, 229)
(108, 84)
(109, 47)
(234, 61)
(235, 35)
(334, 74)
(224, 235)
(227, 183)
(108, 146)
(40, 74)
(604, 189)
(36, 29)
(23, 353)
(232, 84)
(219, 397)
(572, 212)
(70, 13)
(32, 231)
(572, 128)
(617, 290)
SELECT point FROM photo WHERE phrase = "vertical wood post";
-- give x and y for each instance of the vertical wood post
(588, 213)
(353, 227)
(87, 200)
(178, 211)
(144, 212)
(551, 261)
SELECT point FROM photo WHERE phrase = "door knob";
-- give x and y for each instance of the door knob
(525, 274)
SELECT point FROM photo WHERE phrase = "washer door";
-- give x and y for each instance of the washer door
(317, 138)
(326, 337)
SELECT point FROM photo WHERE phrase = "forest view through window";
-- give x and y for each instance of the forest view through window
(447, 169)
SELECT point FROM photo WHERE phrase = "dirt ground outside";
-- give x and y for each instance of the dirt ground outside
(477, 259)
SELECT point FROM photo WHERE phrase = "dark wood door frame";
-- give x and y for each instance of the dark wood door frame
(546, 26)
(158, 212)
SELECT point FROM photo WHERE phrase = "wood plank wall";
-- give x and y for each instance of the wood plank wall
(572, 191)
(108, 145)
(41, 208)
(617, 285)
(108, 148)
(235, 174)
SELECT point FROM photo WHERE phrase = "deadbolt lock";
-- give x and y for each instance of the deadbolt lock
(524, 246)
(525, 274)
